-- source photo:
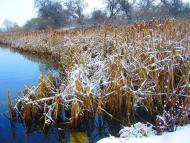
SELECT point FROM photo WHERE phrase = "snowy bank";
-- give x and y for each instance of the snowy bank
(181, 135)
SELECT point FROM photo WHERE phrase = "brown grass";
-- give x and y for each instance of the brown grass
(111, 70)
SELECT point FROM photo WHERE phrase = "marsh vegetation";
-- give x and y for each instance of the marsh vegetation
(117, 72)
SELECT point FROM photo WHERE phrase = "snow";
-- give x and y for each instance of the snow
(181, 135)
(136, 131)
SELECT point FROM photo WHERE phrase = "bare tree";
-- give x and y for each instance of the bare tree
(8, 24)
(174, 6)
(113, 7)
(146, 4)
(98, 16)
(146, 9)
(52, 13)
(126, 6)
(75, 9)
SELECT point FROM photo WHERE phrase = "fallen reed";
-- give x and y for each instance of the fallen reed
(112, 70)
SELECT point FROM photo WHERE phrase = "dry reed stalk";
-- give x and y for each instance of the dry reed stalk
(58, 109)
(128, 106)
(88, 106)
(144, 63)
(12, 112)
(75, 111)
(27, 114)
(150, 104)
(42, 88)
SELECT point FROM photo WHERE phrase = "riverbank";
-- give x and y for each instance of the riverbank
(115, 71)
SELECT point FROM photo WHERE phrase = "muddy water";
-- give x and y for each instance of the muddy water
(17, 71)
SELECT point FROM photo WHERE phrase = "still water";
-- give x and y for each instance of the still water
(16, 72)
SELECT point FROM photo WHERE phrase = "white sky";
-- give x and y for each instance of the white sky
(20, 11)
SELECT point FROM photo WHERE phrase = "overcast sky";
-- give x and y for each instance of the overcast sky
(20, 11)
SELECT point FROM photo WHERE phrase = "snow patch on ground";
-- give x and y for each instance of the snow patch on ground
(181, 135)
(136, 131)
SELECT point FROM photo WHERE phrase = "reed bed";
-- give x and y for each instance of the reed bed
(111, 70)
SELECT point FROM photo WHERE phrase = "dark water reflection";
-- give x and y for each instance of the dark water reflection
(18, 70)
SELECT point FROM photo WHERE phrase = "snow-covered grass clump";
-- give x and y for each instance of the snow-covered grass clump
(136, 131)
(181, 135)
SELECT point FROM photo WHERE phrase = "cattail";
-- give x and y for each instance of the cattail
(149, 104)
(128, 107)
(79, 88)
(88, 106)
(42, 89)
(12, 112)
(49, 84)
(75, 110)
(58, 107)
(27, 115)
(111, 104)
(119, 97)
(99, 105)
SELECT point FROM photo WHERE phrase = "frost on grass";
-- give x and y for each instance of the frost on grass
(112, 70)
(136, 131)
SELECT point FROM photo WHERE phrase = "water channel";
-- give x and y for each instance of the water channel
(20, 70)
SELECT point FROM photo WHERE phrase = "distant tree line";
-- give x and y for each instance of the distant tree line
(70, 13)
(9, 25)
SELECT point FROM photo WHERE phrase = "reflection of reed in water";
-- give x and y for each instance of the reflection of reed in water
(85, 133)
(46, 62)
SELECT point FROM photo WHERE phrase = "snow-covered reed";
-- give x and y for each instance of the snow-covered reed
(110, 70)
